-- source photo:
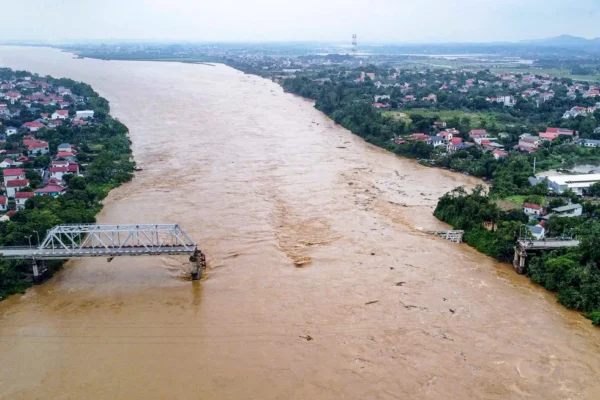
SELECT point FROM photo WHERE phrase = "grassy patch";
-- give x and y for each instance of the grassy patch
(477, 118)
(397, 115)
(518, 200)
(96, 148)
(558, 73)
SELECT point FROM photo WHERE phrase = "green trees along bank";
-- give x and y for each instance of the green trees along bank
(573, 273)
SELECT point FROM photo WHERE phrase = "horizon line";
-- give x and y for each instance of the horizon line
(323, 42)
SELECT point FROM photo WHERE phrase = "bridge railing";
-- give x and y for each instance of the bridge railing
(111, 237)
(19, 247)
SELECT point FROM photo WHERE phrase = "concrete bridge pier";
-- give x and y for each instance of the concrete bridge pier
(520, 261)
(198, 261)
(39, 270)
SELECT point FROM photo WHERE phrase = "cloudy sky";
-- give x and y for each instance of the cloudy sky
(298, 20)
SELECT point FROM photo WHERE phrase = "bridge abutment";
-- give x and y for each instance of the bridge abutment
(39, 270)
(520, 261)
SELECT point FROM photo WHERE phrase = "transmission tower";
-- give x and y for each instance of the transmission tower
(354, 44)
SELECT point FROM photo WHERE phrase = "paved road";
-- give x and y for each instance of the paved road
(548, 244)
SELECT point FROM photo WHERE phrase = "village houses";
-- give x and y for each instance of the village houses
(31, 95)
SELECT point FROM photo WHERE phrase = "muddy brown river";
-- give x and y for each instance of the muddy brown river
(260, 179)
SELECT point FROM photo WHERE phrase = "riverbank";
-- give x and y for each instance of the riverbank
(80, 160)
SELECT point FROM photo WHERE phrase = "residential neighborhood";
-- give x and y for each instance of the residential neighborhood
(31, 164)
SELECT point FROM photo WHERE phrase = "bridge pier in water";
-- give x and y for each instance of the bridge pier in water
(198, 261)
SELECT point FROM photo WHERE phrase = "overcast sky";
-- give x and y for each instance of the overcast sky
(298, 20)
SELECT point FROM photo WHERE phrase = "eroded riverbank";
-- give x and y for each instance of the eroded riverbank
(259, 178)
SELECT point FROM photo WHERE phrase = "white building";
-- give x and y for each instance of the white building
(21, 198)
(90, 114)
(575, 112)
(589, 143)
(8, 162)
(532, 209)
(571, 210)
(577, 183)
(544, 97)
(38, 148)
(436, 141)
(11, 130)
(58, 172)
(377, 100)
(508, 101)
(11, 174)
(14, 186)
(64, 147)
(537, 231)
(60, 114)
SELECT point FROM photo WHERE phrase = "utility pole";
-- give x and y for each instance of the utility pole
(29, 238)
(534, 160)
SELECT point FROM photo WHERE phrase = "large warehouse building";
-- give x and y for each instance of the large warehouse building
(577, 183)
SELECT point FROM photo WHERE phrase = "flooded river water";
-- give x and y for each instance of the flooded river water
(259, 179)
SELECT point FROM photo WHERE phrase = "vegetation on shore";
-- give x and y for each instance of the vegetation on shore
(573, 273)
(105, 159)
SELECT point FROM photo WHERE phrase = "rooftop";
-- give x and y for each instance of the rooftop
(24, 195)
(591, 141)
(17, 183)
(567, 179)
(51, 189)
(569, 207)
(536, 229)
(532, 206)
(14, 172)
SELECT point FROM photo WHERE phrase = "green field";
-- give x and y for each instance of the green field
(558, 73)
(491, 65)
(517, 201)
(446, 115)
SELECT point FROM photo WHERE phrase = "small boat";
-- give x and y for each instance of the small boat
(137, 169)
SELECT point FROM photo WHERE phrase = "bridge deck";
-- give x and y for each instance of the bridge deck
(546, 244)
(60, 254)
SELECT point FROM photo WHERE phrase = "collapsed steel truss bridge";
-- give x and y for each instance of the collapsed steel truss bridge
(109, 240)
